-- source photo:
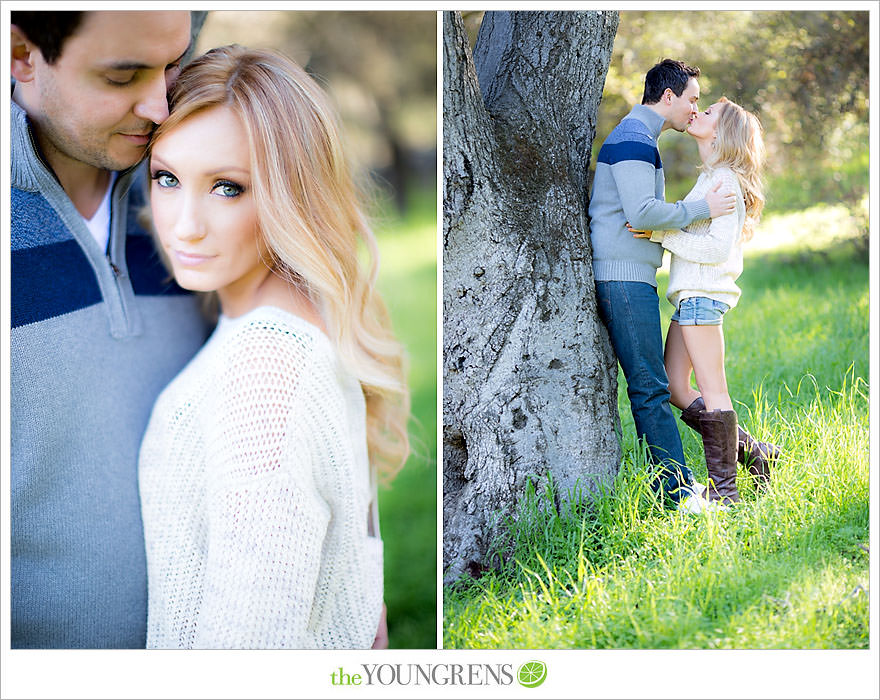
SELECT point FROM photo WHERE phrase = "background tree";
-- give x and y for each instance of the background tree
(530, 383)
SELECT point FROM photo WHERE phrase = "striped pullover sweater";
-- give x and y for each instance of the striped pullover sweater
(629, 186)
(95, 336)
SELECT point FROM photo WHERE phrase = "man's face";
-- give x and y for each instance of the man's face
(99, 102)
(683, 108)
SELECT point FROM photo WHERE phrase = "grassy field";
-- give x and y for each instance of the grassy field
(408, 281)
(785, 569)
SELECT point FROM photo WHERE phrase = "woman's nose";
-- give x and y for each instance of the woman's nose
(190, 226)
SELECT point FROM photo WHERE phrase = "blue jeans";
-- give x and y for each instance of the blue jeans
(631, 313)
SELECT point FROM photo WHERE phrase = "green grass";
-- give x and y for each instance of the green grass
(408, 282)
(784, 569)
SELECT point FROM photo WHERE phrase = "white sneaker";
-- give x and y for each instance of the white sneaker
(696, 505)
(693, 504)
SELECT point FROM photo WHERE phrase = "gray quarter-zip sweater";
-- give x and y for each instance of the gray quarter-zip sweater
(629, 186)
(95, 336)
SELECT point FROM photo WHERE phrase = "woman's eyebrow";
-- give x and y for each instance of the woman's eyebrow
(158, 163)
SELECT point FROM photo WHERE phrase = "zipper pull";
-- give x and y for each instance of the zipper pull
(113, 267)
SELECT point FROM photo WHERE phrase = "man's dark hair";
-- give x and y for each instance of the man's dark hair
(47, 29)
(671, 74)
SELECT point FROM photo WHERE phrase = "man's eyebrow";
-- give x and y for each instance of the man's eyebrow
(138, 65)
(126, 65)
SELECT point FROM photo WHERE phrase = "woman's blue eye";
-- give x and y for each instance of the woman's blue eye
(165, 179)
(226, 188)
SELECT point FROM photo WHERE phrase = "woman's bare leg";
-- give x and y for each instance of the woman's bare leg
(705, 348)
(678, 368)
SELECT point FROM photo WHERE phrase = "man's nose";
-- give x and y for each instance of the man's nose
(153, 103)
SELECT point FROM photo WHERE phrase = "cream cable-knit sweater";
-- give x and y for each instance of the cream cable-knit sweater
(257, 496)
(707, 254)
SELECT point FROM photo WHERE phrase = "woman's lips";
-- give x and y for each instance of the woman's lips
(191, 259)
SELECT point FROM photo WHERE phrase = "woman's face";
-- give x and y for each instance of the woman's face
(203, 204)
(703, 124)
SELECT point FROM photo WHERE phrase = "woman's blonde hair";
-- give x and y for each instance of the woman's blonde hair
(739, 145)
(309, 217)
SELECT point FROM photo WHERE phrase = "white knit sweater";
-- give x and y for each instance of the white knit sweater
(707, 254)
(257, 496)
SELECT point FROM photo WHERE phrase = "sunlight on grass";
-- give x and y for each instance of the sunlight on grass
(808, 230)
(784, 569)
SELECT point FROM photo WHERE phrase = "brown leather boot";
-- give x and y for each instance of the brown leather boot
(757, 456)
(690, 416)
(718, 429)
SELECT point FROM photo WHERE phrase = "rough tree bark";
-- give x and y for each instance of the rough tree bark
(530, 381)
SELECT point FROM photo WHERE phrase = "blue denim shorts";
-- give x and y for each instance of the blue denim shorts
(700, 311)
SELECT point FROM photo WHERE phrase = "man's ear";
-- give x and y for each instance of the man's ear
(23, 53)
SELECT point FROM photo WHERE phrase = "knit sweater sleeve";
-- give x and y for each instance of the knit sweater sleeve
(634, 172)
(711, 240)
(266, 519)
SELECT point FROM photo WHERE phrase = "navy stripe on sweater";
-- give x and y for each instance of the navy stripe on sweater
(612, 153)
(57, 278)
(50, 280)
(148, 275)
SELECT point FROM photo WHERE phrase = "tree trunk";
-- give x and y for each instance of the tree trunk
(530, 381)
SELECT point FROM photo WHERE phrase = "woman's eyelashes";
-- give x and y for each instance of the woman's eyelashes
(227, 188)
(222, 188)
(164, 179)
